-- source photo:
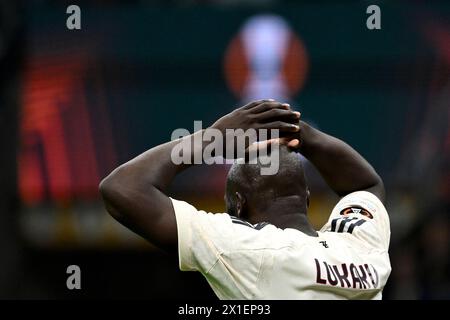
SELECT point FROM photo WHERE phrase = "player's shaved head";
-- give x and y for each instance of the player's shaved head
(248, 190)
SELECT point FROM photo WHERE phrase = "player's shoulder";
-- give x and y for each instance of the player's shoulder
(217, 224)
(242, 222)
(362, 215)
(365, 199)
(361, 203)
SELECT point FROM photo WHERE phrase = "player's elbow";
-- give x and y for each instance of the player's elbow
(381, 191)
(378, 188)
(109, 184)
(106, 188)
(112, 191)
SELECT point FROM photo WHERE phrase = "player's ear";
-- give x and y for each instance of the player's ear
(241, 204)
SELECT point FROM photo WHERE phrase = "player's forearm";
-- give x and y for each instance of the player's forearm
(156, 168)
(153, 168)
(344, 169)
(135, 192)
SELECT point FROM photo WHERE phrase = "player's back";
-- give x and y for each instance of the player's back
(347, 260)
(330, 266)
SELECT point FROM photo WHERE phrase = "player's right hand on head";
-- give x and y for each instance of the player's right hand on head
(261, 114)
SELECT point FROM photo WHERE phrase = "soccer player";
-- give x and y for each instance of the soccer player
(264, 246)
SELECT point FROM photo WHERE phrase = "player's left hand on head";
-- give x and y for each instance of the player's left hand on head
(261, 114)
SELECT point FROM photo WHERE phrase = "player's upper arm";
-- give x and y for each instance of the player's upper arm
(202, 236)
(229, 252)
(146, 211)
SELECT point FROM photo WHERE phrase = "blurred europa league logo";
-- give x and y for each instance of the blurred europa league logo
(266, 59)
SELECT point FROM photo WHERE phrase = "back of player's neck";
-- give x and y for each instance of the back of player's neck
(288, 212)
(296, 221)
(288, 205)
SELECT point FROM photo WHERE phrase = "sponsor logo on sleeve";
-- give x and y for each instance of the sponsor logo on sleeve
(356, 210)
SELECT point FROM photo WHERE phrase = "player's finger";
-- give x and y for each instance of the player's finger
(289, 142)
(255, 103)
(269, 105)
(278, 114)
(294, 143)
(255, 148)
(257, 145)
(280, 125)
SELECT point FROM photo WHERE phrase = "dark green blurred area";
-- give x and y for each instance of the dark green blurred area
(169, 63)
(137, 70)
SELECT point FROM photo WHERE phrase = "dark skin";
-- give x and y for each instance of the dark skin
(256, 198)
(343, 168)
(291, 213)
(136, 193)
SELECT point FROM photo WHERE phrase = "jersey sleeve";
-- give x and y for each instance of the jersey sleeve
(201, 236)
(364, 216)
(226, 250)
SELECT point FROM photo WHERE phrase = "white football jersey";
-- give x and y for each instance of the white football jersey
(348, 260)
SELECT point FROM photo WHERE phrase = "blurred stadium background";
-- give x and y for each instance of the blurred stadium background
(75, 104)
